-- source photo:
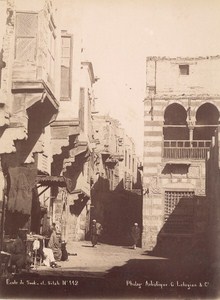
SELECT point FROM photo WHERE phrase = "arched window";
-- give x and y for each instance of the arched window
(207, 119)
(175, 114)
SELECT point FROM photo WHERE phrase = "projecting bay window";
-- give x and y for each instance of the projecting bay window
(66, 58)
(26, 36)
(35, 43)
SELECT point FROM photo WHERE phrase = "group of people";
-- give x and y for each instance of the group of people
(97, 229)
(55, 250)
(50, 254)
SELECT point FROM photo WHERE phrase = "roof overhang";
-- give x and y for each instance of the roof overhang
(179, 186)
(178, 162)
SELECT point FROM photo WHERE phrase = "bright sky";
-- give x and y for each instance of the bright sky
(118, 35)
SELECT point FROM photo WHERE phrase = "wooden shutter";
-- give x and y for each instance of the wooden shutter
(66, 68)
(26, 36)
(81, 108)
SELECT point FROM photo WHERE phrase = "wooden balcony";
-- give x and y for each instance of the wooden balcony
(185, 149)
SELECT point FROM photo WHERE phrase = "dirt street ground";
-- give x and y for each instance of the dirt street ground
(93, 262)
(108, 271)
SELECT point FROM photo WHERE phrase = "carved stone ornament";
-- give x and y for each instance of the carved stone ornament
(154, 186)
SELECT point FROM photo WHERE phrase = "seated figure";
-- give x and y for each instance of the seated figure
(49, 259)
(64, 251)
(19, 257)
(45, 254)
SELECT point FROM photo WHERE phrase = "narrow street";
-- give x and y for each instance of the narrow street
(109, 130)
(114, 271)
(92, 262)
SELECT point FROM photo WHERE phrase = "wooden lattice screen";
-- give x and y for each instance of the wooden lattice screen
(179, 211)
(26, 36)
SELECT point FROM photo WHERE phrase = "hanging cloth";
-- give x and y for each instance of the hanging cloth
(22, 180)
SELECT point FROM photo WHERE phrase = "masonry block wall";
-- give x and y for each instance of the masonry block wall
(181, 113)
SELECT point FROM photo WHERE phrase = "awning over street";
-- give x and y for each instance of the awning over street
(48, 180)
(60, 181)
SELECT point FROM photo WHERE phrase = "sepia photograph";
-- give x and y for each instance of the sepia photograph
(110, 149)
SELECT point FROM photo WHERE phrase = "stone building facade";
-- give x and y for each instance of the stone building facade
(115, 153)
(72, 143)
(181, 114)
